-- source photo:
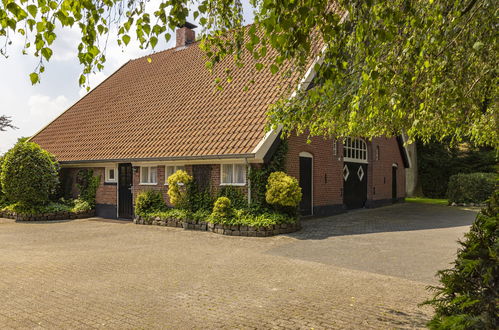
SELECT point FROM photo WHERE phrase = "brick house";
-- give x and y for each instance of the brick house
(153, 117)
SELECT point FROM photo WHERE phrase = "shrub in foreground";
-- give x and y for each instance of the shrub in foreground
(149, 201)
(29, 174)
(469, 292)
(471, 188)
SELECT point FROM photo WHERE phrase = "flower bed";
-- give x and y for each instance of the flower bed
(63, 215)
(222, 229)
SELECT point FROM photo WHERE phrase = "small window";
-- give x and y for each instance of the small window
(355, 150)
(110, 174)
(377, 152)
(233, 174)
(335, 147)
(170, 169)
(148, 175)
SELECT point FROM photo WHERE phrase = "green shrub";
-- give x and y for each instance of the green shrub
(198, 199)
(81, 205)
(222, 208)
(246, 218)
(237, 198)
(283, 190)
(469, 292)
(471, 188)
(177, 191)
(51, 207)
(149, 201)
(259, 177)
(87, 184)
(29, 174)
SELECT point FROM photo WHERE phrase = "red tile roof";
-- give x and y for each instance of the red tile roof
(166, 109)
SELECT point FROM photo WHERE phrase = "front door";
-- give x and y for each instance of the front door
(394, 184)
(202, 176)
(306, 185)
(125, 199)
(355, 185)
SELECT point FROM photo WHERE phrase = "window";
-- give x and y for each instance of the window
(148, 175)
(335, 147)
(355, 150)
(110, 174)
(233, 174)
(377, 152)
(170, 169)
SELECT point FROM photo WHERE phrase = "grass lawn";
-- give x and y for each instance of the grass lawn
(424, 200)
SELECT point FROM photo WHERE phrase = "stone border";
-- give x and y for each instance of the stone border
(230, 230)
(48, 216)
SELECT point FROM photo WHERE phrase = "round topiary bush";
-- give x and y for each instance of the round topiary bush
(283, 190)
(29, 174)
(222, 208)
(177, 183)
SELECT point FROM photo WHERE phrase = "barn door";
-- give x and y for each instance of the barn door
(355, 185)
(125, 199)
(306, 185)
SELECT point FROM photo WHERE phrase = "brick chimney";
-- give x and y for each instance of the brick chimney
(186, 34)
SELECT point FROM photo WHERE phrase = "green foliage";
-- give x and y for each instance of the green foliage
(428, 68)
(149, 201)
(438, 161)
(29, 174)
(247, 218)
(237, 198)
(51, 207)
(87, 184)
(259, 177)
(283, 190)
(2, 195)
(171, 213)
(468, 295)
(471, 188)
(222, 208)
(198, 199)
(177, 190)
(422, 200)
(81, 205)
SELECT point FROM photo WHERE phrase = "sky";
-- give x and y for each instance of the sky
(33, 107)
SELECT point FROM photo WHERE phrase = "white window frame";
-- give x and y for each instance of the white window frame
(233, 175)
(175, 169)
(107, 176)
(149, 176)
(354, 150)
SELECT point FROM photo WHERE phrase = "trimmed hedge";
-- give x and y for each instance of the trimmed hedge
(471, 188)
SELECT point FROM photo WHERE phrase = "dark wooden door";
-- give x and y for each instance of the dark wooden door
(125, 199)
(394, 183)
(306, 185)
(354, 185)
(202, 176)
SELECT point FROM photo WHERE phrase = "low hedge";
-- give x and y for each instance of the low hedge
(471, 188)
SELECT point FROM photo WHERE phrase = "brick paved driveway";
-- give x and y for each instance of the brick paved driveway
(363, 269)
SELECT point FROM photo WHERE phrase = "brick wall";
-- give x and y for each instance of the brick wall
(327, 168)
(380, 171)
(106, 193)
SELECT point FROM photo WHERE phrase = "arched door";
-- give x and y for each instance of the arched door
(354, 173)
